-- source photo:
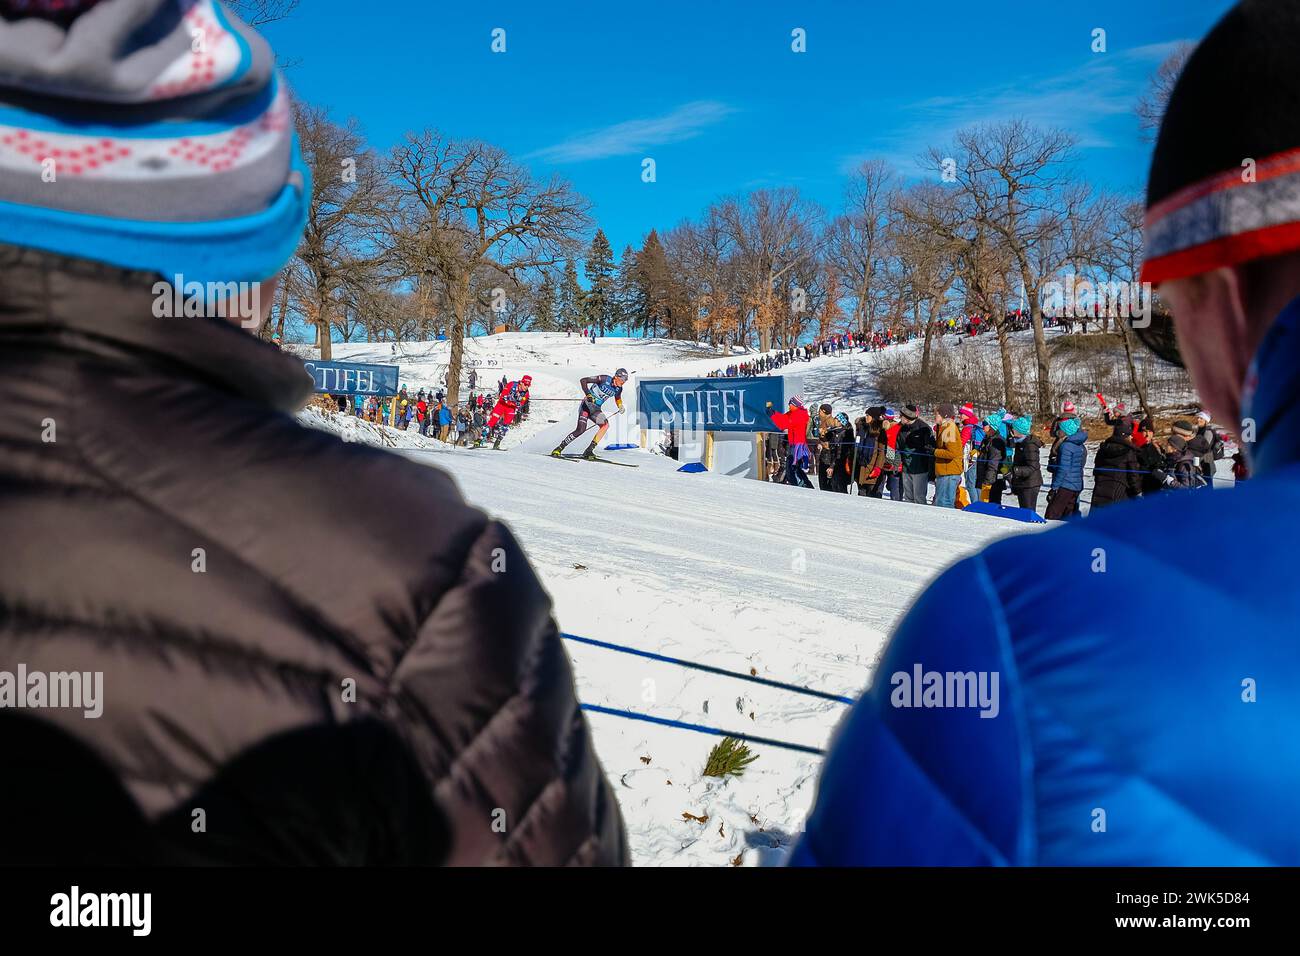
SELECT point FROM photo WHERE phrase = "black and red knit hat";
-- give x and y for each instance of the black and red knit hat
(1224, 186)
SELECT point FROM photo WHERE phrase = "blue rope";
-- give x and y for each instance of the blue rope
(700, 729)
(794, 688)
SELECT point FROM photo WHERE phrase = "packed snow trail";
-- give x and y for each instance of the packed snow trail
(794, 586)
(801, 586)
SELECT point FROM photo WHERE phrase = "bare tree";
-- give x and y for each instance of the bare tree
(1151, 106)
(927, 249)
(349, 195)
(985, 265)
(702, 255)
(1017, 181)
(465, 209)
(257, 13)
(774, 231)
(1119, 251)
(980, 260)
(857, 247)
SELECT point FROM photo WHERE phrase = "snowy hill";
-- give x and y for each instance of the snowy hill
(792, 585)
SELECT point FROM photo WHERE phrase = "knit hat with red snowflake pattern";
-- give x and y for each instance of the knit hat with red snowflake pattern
(147, 134)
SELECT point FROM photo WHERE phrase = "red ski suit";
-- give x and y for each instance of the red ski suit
(507, 406)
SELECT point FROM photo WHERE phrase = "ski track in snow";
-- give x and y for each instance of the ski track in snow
(801, 586)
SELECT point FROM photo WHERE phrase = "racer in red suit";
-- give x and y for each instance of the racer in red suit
(504, 411)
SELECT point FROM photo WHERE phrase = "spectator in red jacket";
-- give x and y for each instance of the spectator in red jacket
(422, 413)
(893, 464)
(794, 421)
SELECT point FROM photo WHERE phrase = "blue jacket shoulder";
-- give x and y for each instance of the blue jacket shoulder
(1143, 713)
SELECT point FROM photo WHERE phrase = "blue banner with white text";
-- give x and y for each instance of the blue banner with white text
(353, 378)
(709, 404)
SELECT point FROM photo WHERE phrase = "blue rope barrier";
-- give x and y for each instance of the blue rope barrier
(709, 669)
(701, 729)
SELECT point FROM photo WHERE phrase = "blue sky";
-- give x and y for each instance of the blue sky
(712, 92)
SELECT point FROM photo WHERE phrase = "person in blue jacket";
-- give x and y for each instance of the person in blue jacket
(1066, 468)
(444, 420)
(1007, 725)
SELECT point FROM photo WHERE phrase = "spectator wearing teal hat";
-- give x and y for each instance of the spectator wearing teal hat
(1026, 468)
(1067, 470)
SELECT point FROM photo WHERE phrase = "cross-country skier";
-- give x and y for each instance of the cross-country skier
(512, 395)
(597, 390)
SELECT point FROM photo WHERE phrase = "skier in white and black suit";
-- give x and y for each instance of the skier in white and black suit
(597, 390)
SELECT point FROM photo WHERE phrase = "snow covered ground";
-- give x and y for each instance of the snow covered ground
(792, 585)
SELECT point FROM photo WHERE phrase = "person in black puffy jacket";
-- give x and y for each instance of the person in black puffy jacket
(1026, 463)
(1115, 469)
(332, 676)
(992, 459)
(1151, 460)
(843, 443)
(915, 444)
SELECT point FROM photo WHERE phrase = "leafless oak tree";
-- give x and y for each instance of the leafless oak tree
(857, 246)
(466, 212)
(1018, 184)
(349, 198)
(927, 247)
(774, 231)
(1151, 106)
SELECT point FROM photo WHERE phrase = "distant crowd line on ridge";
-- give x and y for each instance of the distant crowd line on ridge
(880, 339)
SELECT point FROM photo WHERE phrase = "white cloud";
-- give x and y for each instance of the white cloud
(636, 135)
(1078, 101)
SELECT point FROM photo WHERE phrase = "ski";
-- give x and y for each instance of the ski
(608, 461)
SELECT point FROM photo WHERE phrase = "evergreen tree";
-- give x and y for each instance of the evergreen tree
(544, 318)
(598, 304)
(655, 284)
(629, 303)
(569, 306)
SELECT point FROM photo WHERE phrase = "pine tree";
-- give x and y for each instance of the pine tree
(654, 281)
(569, 308)
(544, 304)
(629, 302)
(599, 269)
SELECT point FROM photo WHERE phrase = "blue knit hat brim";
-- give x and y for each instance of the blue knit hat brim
(140, 147)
